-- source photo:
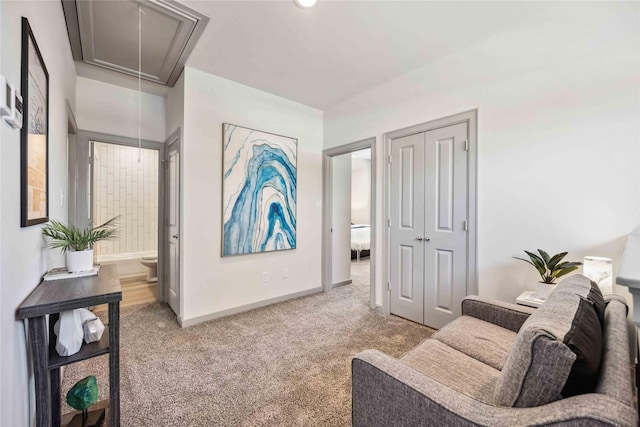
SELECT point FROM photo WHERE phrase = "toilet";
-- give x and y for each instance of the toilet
(151, 262)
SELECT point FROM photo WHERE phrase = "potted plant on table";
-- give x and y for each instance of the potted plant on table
(78, 243)
(550, 269)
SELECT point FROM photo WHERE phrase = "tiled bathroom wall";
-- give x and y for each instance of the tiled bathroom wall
(128, 188)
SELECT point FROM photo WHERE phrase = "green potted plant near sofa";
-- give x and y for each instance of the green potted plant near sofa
(550, 268)
(78, 243)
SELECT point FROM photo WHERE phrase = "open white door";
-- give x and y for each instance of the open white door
(173, 225)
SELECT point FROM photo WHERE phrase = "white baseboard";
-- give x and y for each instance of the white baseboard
(185, 323)
(344, 282)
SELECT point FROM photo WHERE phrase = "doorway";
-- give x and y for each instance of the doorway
(124, 185)
(120, 176)
(345, 172)
(431, 232)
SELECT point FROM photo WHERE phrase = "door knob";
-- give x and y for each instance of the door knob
(427, 239)
(419, 239)
(175, 236)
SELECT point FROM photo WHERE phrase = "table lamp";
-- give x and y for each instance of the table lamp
(600, 270)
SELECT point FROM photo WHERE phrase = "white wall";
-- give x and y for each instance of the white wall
(360, 190)
(558, 130)
(175, 107)
(23, 258)
(111, 109)
(341, 218)
(210, 283)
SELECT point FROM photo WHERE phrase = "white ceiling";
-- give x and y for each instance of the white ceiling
(337, 49)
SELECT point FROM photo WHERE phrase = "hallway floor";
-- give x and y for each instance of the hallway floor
(135, 290)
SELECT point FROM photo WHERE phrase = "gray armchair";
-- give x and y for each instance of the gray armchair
(501, 364)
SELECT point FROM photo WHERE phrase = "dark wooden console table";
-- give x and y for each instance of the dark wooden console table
(52, 298)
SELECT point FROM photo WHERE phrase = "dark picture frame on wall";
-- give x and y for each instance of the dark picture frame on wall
(34, 135)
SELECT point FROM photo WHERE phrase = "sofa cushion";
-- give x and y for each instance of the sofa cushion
(454, 369)
(585, 340)
(481, 340)
(586, 288)
(542, 358)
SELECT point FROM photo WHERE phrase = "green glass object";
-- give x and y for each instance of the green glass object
(83, 394)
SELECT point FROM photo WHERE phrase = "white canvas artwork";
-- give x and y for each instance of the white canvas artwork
(259, 191)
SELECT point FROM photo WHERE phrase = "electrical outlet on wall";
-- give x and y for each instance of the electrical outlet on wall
(265, 277)
(285, 273)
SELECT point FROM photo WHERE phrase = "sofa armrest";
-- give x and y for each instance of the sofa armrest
(504, 314)
(387, 392)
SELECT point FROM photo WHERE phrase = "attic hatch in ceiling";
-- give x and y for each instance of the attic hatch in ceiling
(105, 33)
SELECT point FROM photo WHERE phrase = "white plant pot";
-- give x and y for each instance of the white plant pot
(78, 261)
(544, 290)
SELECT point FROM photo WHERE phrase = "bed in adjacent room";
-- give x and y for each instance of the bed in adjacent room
(360, 240)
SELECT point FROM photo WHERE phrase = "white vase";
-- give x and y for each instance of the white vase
(78, 261)
(544, 290)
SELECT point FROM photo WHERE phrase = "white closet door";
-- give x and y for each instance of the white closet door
(446, 193)
(428, 214)
(407, 227)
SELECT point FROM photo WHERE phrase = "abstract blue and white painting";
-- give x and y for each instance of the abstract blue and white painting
(258, 191)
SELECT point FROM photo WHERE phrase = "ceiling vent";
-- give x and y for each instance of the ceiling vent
(105, 33)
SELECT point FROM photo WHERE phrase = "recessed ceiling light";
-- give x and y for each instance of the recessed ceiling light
(305, 4)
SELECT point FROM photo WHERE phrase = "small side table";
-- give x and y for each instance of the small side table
(52, 298)
(530, 299)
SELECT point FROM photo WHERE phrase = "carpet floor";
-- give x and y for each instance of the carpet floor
(288, 364)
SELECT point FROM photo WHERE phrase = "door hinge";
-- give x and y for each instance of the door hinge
(465, 225)
(388, 222)
(466, 145)
(388, 286)
(389, 158)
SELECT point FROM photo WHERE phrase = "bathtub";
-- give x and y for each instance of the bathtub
(128, 263)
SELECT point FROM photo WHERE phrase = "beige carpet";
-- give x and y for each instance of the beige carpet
(283, 365)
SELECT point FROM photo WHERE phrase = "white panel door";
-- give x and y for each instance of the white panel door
(173, 228)
(428, 213)
(446, 194)
(407, 227)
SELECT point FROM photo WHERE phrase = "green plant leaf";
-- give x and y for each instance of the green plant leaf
(71, 238)
(525, 260)
(564, 271)
(567, 264)
(556, 259)
(537, 262)
(545, 256)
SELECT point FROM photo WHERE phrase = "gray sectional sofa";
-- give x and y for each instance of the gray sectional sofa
(500, 364)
